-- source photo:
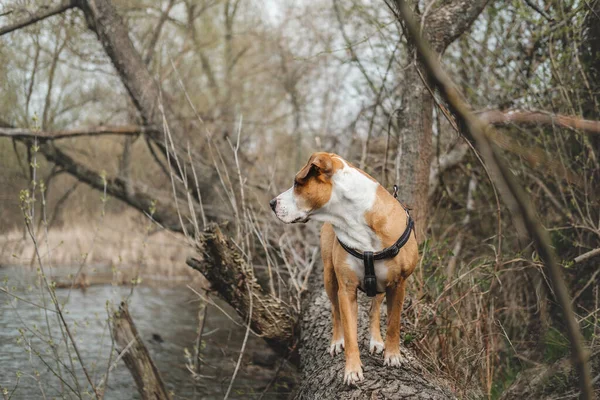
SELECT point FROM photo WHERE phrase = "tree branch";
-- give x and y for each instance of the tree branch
(115, 187)
(514, 195)
(585, 256)
(450, 21)
(125, 130)
(156, 33)
(525, 117)
(444, 163)
(42, 13)
(114, 37)
(145, 93)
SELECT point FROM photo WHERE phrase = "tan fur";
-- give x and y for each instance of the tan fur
(388, 221)
(313, 182)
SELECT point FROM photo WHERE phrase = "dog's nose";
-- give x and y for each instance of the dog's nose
(273, 204)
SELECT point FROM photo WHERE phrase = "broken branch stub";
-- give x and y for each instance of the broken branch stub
(228, 272)
(136, 356)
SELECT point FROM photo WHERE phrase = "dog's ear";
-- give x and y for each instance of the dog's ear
(322, 163)
(318, 164)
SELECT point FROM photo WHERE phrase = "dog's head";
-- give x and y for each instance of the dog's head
(311, 190)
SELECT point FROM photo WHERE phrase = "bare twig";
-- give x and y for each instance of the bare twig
(42, 13)
(465, 222)
(239, 361)
(539, 10)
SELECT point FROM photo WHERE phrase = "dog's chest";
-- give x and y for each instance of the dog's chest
(358, 267)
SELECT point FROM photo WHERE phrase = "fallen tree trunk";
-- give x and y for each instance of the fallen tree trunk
(322, 375)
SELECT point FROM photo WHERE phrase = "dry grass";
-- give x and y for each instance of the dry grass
(125, 241)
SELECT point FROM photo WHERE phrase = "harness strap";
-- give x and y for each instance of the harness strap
(388, 252)
(370, 281)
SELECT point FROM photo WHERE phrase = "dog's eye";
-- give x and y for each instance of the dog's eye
(296, 183)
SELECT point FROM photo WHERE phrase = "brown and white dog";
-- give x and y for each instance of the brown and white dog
(363, 215)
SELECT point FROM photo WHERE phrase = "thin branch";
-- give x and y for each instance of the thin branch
(156, 34)
(469, 208)
(446, 162)
(125, 130)
(539, 10)
(514, 195)
(585, 256)
(350, 48)
(42, 13)
(239, 361)
(525, 117)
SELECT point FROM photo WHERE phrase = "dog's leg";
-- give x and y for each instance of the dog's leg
(331, 287)
(376, 342)
(349, 310)
(395, 302)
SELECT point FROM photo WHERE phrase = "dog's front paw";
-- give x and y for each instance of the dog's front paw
(376, 346)
(353, 374)
(336, 347)
(393, 359)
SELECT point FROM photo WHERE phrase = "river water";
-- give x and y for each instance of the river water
(166, 318)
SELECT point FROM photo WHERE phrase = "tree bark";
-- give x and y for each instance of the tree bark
(415, 117)
(322, 375)
(415, 120)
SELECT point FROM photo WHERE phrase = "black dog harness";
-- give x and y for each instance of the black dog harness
(368, 257)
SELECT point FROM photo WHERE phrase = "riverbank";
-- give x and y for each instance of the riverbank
(167, 319)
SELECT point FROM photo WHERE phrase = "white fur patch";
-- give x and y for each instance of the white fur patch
(393, 360)
(336, 347)
(375, 346)
(353, 375)
(287, 209)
